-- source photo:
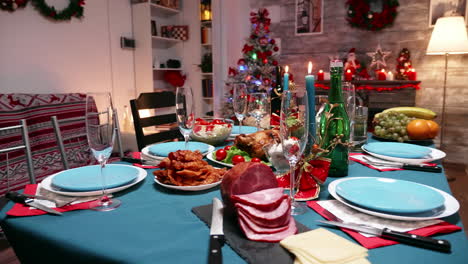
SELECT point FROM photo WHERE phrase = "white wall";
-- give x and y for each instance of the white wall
(38, 55)
(231, 29)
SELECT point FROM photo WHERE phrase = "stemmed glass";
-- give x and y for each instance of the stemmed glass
(294, 130)
(258, 106)
(185, 112)
(239, 102)
(100, 130)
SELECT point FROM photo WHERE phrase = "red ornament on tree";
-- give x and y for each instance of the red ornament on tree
(263, 41)
(241, 62)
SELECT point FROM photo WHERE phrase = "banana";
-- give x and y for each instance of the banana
(411, 111)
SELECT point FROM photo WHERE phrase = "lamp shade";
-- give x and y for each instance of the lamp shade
(449, 36)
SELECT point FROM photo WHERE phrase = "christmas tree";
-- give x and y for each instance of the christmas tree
(403, 65)
(257, 67)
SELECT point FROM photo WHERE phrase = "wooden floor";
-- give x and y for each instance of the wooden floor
(457, 176)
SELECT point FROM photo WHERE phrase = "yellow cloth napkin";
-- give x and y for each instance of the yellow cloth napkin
(321, 246)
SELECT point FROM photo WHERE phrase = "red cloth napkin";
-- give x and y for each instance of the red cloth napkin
(375, 168)
(375, 242)
(137, 155)
(24, 210)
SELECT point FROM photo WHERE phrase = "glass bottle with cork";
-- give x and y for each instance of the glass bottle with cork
(338, 127)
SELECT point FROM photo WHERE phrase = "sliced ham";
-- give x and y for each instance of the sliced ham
(274, 218)
(274, 237)
(264, 200)
(260, 229)
(244, 178)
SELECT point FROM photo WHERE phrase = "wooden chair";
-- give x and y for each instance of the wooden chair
(60, 139)
(26, 146)
(161, 108)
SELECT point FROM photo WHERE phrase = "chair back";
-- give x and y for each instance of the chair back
(63, 139)
(18, 145)
(160, 124)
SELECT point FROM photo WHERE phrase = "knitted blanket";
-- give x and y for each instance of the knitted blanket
(38, 109)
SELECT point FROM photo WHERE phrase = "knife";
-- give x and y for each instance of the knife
(23, 199)
(140, 161)
(415, 240)
(216, 233)
(418, 167)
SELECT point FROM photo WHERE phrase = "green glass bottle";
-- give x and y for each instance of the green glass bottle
(337, 127)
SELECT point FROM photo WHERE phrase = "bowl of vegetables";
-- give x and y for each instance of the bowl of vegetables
(213, 131)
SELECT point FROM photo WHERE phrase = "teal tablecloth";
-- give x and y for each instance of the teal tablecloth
(156, 225)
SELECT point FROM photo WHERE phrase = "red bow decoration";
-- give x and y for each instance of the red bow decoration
(175, 78)
(247, 48)
(311, 174)
(232, 72)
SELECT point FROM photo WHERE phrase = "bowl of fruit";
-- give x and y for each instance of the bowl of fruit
(405, 124)
(213, 131)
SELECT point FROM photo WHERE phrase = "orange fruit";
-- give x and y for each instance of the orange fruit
(434, 128)
(422, 129)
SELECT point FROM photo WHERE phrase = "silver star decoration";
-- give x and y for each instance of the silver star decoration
(378, 57)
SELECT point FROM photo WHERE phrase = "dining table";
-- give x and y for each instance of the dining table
(155, 224)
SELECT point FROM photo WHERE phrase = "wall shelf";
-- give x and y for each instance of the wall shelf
(167, 40)
(159, 10)
(167, 69)
(207, 73)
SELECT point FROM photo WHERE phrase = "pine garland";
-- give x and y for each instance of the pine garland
(12, 5)
(74, 9)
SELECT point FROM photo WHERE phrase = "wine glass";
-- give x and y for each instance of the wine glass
(294, 132)
(185, 112)
(258, 106)
(239, 102)
(100, 130)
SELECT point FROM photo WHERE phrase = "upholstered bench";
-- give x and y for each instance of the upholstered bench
(38, 109)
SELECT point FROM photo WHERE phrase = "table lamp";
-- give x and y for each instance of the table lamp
(448, 37)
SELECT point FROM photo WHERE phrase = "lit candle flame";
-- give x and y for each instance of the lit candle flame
(348, 71)
(321, 71)
(383, 70)
(286, 69)
(309, 69)
(413, 70)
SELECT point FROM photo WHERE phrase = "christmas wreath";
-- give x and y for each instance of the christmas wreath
(74, 9)
(12, 5)
(371, 14)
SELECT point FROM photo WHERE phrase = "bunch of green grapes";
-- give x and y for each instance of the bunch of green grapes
(392, 125)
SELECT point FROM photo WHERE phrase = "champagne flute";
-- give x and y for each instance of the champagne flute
(258, 106)
(185, 112)
(294, 131)
(100, 130)
(239, 102)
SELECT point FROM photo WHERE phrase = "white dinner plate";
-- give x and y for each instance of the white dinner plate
(209, 156)
(146, 154)
(47, 184)
(435, 154)
(451, 205)
(188, 188)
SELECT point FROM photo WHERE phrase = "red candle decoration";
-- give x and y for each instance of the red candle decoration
(412, 75)
(348, 75)
(381, 75)
(320, 75)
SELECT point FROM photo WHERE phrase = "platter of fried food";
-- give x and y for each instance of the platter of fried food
(187, 171)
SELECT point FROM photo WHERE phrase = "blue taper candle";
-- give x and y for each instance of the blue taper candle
(310, 86)
(286, 79)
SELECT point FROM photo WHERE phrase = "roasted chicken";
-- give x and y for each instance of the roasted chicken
(253, 143)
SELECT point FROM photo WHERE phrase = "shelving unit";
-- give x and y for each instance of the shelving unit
(153, 50)
(159, 10)
(205, 11)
